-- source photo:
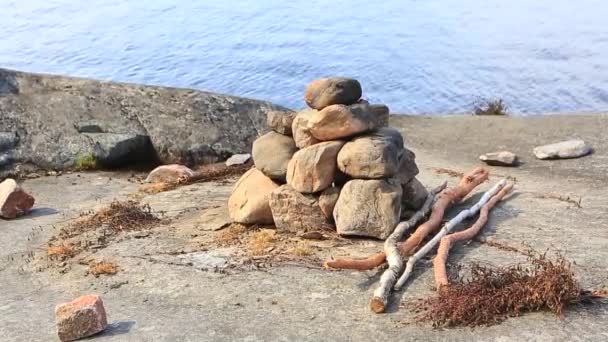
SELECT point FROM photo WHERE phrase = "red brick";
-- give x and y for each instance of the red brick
(82, 317)
(13, 200)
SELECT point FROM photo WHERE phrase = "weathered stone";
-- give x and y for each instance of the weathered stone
(299, 128)
(5, 159)
(382, 112)
(14, 201)
(8, 140)
(9, 85)
(329, 91)
(281, 121)
(249, 202)
(82, 317)
(238, 159)
(271, 154)
(169, 174)
(368, 208)
(414, 195)
(327, 201)
(314, 168)
(192, 127)
(407, 166)
(296, 212)
(340, 121)
(562, 150)
(178, 125)
(374, 155)
(502, 158)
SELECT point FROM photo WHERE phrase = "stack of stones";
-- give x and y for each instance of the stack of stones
(335, 165)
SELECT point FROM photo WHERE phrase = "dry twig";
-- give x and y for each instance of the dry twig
(441, 277)
(409, 267)
(394, 259)
(446, 199)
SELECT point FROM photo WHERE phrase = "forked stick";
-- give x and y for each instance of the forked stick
(394, 259)
(409, 267)
(441, 277)
(446, 199)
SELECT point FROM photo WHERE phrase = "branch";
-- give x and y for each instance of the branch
(446, 199)
(441, 278)
(391, 248)
(446, 229)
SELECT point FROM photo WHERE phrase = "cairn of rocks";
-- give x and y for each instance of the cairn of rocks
(333, 166)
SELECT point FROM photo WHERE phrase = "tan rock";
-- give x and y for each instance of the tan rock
(373, 155)
(281, 121)
(249, 201)
(407, 166)
(299, 128)
(327, 201)
(502, 158)
(414, 195)
(369, 208)
(313, 168)
(340, 121)
(271, 153)
(238, 159)
(14, 201)
(329, 91)
(82, 317)
(296, 212)
(562, 150)
(382, 112)
(169, 174)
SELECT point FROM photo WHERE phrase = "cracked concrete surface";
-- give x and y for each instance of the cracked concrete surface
(168, 288)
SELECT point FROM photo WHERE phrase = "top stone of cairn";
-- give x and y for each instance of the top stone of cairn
(329, 91)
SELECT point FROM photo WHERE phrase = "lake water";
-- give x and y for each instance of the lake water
(419, 56)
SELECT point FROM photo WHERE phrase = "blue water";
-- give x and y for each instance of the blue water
(420, 56)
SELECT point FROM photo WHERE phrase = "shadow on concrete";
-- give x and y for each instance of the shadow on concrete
(37, 212)
(115, 328)
(372, 279)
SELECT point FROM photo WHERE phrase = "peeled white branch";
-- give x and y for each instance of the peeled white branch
(394, 259)
(445, 199)
(446, 229)
(441, 276)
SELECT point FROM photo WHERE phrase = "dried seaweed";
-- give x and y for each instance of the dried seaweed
(505, 247)
(492, 294)
(563, 198)
(102, 267)
(217, 171)
(449, 172)
(205, 173)
(95, 229)
(490, 107)
(118, 216)
(60, 252)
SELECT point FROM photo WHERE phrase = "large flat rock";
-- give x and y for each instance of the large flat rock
(56, 119)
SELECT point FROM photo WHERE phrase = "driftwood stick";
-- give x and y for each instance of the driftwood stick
(409, 267)
(441, 277)
(391, 249)
(446, 199)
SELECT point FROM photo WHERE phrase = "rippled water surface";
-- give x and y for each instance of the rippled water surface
(420, 56)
